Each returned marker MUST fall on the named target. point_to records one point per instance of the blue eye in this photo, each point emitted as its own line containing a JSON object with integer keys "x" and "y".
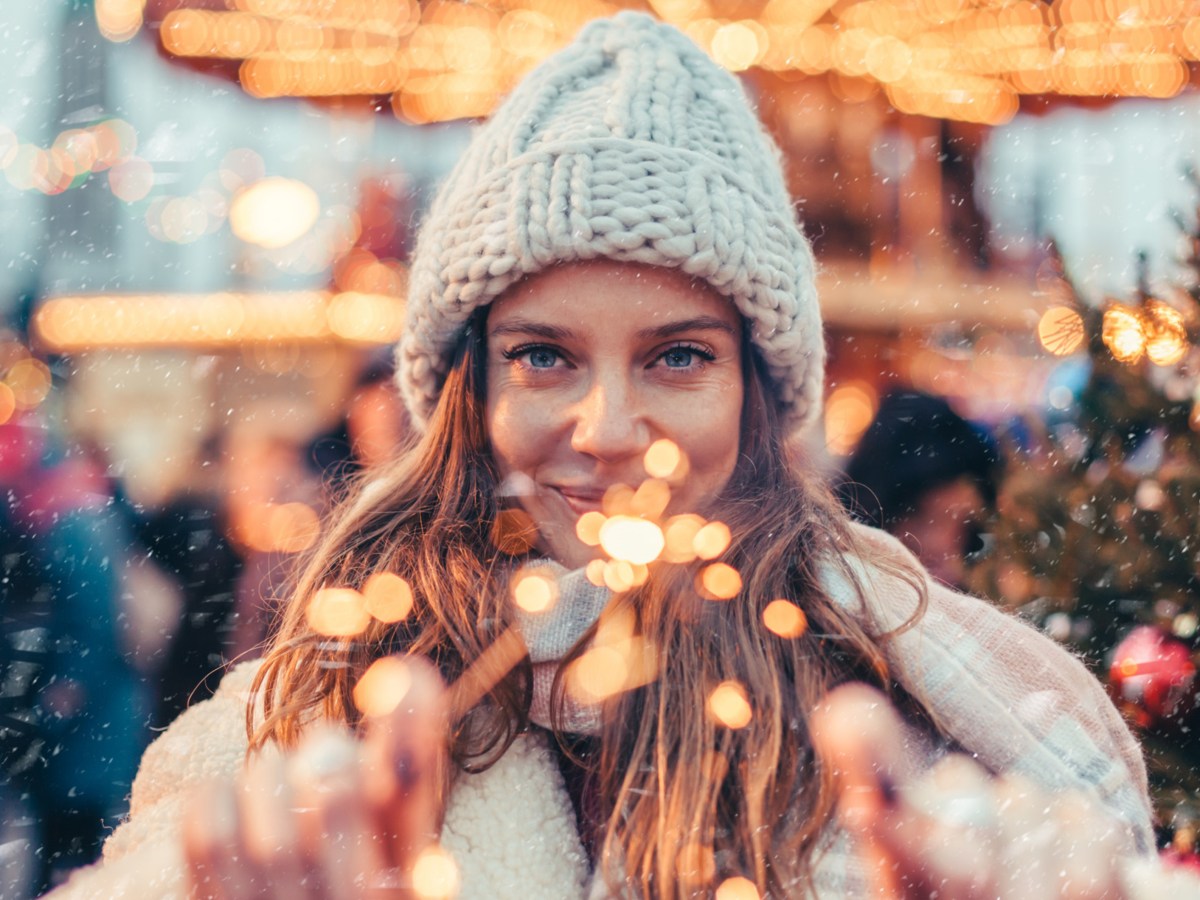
{"x": 678, "y": 357}
{"x": 542, "y": 358}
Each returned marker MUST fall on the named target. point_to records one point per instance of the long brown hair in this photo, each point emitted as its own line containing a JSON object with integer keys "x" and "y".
{"x": 751, "y": 801}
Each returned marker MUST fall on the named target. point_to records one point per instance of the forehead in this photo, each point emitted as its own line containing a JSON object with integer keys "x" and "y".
{"x": 614, "y": 296}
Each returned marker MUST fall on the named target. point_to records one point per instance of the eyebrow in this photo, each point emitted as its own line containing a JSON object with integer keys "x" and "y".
{"x": 667, "y": 330}
{"x": 699, "y": 323}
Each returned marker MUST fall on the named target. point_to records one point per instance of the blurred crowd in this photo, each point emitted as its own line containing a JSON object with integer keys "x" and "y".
{"x": 117, "y": 614}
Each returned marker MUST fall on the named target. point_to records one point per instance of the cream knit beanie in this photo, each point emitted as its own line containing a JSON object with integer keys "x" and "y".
{"x": 631, "y": 145}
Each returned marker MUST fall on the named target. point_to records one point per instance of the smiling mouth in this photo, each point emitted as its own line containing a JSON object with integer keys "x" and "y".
{"x": 581, "y": 500}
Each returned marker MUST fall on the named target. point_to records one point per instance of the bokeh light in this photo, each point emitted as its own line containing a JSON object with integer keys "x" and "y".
{"x": 737, "y": 888}
{"x": 729, "y": 706}
{"x": 534, "y": 592}
{"x": 8, "y": 403}
{"x": 663, "y": 459}
{"x": 848, "y": 413}
{"x": 594, "y": 571}
{"x": 434, "y": 874}
{"x": 337, "y": 612}
{"x": 382, "y": 686}
{"x": 274, "y": 212}
{"x": 1166, "y": 333}
{"x": 131, "y": 179}
{"x": 1123, "y": 333}
{"x": 290, "y": 527}
{"x": 680, "y": 536}
{"x": 650, "y": 499}
{"x": 28, "y": 381}
{"x": 598, "y": 674}
{"x": 587, "y": 529}
{"x": 119, "y": 20}
{"x": 1060, "y": 330}
{"x": 387, "y": 597}
{"x": 784, "y": 618}
{"x": 632, "y": 540}
{"x": 720, "y": 581}
{"x": 712, "y": 540}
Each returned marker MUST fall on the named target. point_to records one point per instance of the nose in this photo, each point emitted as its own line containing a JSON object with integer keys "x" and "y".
{"x": 609, "y": 423}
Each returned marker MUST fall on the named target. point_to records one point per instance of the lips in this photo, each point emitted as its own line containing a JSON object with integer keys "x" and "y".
{"x": 581, "y": 499}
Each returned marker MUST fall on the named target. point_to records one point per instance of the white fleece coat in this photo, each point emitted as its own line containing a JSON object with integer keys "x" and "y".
{"x": 1008, "y": 695}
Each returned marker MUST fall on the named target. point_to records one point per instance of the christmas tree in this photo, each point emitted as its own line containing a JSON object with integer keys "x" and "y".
{"x": 1097, "y": 531}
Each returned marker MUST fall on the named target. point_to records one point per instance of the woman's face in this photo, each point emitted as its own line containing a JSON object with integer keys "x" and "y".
{"x": 587, "y": 365}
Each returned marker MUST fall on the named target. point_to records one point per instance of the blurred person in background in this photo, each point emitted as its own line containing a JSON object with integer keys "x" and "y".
{"x": 927, "y": 475}
{"x": 73, "y": 659}
{"x": 186, "y": 538}
{"x": 373, "y": 430}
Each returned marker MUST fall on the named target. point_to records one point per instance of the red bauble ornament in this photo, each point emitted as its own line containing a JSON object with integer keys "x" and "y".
{"x": 1152, "y": 677}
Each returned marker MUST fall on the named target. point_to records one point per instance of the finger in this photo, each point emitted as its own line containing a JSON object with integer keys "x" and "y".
{"x": 268, "y": 829}
{"x": 337, "y": 832}
{"x": 857, "y": 736}
{"x": 943, "y": 834}
{"x": 210, "y": 845}
{"x": 404, "y": 754}
{"x": 1090, "y": 845}
{"x": 1029, "y": 868}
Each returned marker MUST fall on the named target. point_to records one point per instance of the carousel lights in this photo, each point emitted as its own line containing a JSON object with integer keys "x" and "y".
{"x": 119, "y": 20}
{"x": 76, "y": 323}
{"x": 961, "y": 59}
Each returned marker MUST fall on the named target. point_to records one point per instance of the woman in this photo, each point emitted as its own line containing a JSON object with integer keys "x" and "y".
{"x": 614, "y": 267}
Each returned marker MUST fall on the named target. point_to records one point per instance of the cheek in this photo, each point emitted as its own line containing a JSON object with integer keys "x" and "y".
{"x": 710, "y": 437}
{"x": 517, "y": 432}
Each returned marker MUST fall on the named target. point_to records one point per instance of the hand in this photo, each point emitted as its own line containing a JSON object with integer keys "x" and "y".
{"x": 337, "y": 819}
{"x": 956, "y": 830}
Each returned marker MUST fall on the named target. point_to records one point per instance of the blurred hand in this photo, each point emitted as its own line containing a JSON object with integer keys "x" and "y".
{"x": 337, "y": 819}
{"x": 957, "y": 831}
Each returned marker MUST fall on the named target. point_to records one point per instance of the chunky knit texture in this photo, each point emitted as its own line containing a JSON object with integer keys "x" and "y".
{"x": 629, "y": 145}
